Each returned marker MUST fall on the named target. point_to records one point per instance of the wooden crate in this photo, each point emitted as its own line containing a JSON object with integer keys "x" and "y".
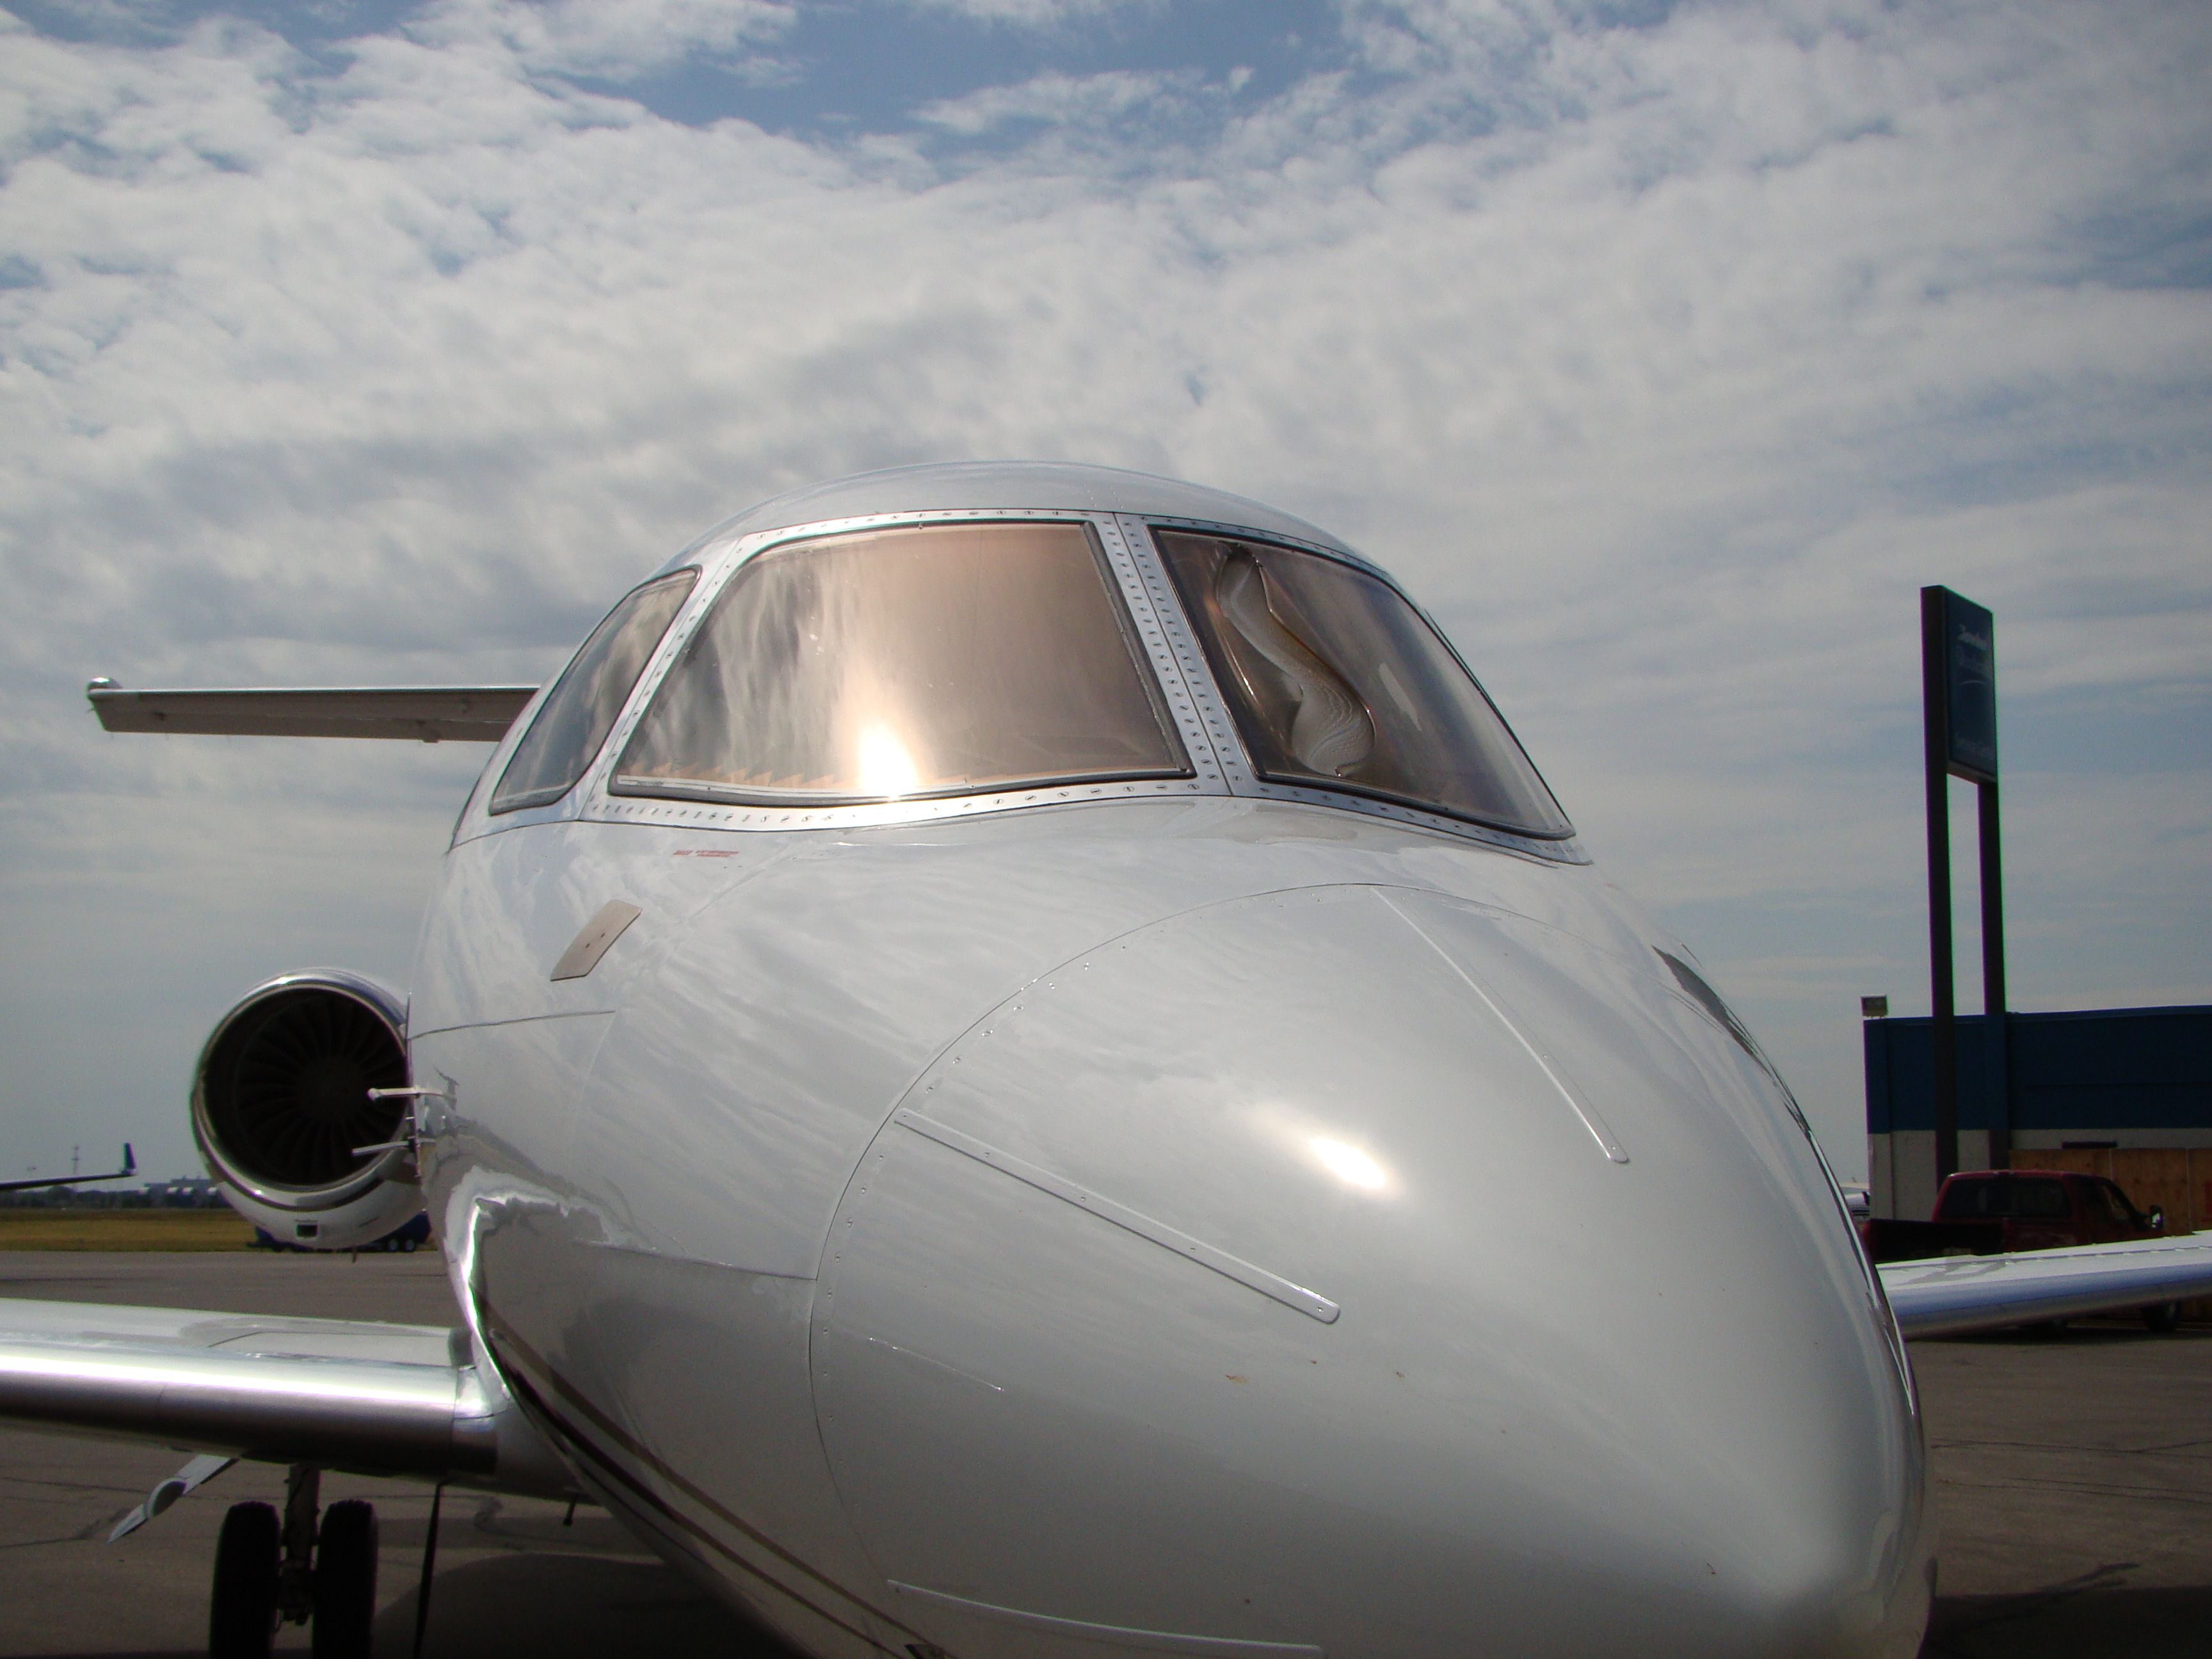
{"x": 2179, "y": 1179}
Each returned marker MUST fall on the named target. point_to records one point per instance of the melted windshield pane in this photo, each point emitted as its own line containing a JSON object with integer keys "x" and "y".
{"x": 583, "y": 706}
{"x": 930, "y": 659}
{"x": 1335, "y": 680}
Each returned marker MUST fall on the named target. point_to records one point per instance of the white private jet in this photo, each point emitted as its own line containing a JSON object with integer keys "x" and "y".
{"x": 1014, "y": 1060}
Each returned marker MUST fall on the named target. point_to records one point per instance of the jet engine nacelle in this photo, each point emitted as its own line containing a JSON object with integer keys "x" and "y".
{"x": 281, "y": 1101}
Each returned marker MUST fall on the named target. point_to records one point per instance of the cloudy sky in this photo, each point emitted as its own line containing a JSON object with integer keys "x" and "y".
{"x": 1663, "y": 351}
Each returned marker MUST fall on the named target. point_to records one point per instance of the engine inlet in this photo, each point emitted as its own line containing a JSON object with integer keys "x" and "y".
{"x": 282, "y": 1094}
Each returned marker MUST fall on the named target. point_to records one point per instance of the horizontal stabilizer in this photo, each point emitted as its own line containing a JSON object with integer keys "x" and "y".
{"x": 342, "y": 1394}
{"x": 423, "y": 714}
{"x": 1959, "y": 1293}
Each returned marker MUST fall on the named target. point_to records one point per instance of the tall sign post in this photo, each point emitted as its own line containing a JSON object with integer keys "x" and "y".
{"x": 1958, "y": 705}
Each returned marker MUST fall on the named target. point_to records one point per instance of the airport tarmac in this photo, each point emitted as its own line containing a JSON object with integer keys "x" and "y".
{"x": 512, "y": 1578}
{"x": 2074, "y": 1486}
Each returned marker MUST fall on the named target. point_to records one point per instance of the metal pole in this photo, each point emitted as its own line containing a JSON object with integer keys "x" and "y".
{"x": 429, "y": 1566}
{"x": 1993, "y": 982}
{"x": 1936, "y": 746}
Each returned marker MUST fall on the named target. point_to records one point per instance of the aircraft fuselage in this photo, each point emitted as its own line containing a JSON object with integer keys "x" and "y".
{"x": 1194, "y": 1213}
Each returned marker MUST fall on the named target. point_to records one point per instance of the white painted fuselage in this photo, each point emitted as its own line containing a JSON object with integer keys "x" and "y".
{"x": 1193, "y": 1216}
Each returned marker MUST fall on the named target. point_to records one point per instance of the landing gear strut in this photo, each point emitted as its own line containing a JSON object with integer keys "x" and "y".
{"x": 267, "y": 1573}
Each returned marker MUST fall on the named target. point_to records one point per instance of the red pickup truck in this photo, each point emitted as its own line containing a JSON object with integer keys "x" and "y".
{"x": 1984, "y": 1211}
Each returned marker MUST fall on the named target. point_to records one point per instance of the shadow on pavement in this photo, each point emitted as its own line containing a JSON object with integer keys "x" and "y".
{"x": 552, "y": 1605}
{"x": 2100, "y": 1331}
{"x": 2091, "y": 1618}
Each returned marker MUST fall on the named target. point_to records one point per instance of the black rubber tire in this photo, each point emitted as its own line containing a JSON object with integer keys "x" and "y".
{"x": 2164, "y": 1317}
{"x": 242, "y": 1611}
{"x": 345, "y": 1581}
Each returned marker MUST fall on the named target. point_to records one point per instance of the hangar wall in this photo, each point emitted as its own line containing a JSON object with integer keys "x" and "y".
{"x": 2123, "y": 1092}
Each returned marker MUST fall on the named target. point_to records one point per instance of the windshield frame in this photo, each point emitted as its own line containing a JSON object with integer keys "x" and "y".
{"x": 499, "y": 803}
{"x": 723, "y": 559}
{"x": 1558, "y": 845}
{"x": 1181, "y": 766}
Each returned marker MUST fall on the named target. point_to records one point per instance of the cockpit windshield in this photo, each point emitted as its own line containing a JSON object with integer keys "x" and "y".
{"x": 1336, "y": 681}
{"x": 588, "y": 699}
{"x": 926, "y": 659}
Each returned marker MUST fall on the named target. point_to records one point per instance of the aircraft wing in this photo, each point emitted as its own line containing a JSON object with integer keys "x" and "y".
{"x": 129, "y": 1168}
{"x": 1953, "y": 1294}
{"x": 355, "y": 1395}
{"x": 425, "y": 714}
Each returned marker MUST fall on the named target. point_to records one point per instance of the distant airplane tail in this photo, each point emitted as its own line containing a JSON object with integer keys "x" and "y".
{"x": 129, "y": 1168}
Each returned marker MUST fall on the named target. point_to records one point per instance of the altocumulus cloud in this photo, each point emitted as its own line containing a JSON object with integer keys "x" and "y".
{"x": 1663, "y": 354}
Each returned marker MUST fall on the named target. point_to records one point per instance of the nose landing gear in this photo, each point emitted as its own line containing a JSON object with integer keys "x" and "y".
{"x": 267, "y": 1574}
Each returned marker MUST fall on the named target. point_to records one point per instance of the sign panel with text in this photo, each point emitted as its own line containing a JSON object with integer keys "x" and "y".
{"x": 1970, "y": 689}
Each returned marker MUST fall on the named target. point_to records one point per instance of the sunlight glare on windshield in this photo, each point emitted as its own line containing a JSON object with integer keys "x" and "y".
{"x": 886, "y": 769}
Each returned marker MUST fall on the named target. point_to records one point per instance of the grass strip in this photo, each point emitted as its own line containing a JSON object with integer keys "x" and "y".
{"x": 122, "y": 1230}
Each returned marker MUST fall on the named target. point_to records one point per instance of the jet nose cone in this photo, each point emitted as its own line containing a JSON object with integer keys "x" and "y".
{"x": 1740, "y": 1405}
{"x": 1357, "y": 1268}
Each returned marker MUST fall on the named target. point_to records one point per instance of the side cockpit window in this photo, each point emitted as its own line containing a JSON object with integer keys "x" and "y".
{"x": 920, "y": 660}
{"x": 1337, "y": 682}
{"x": 585, "y": 704}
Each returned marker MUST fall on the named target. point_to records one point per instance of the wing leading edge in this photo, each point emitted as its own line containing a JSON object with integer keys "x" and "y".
{"x": 1955, "y": 1294}
{"x": 375, "y": 1399}
{"x": 423, "y": 713}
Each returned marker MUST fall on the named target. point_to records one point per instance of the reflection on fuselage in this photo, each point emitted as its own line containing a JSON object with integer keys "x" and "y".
{"x": 1105, "y": 992}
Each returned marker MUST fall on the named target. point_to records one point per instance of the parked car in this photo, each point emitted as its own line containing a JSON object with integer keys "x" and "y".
{"x": 2040, "y": 1210}
{"x": 1987, "y": 1212}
